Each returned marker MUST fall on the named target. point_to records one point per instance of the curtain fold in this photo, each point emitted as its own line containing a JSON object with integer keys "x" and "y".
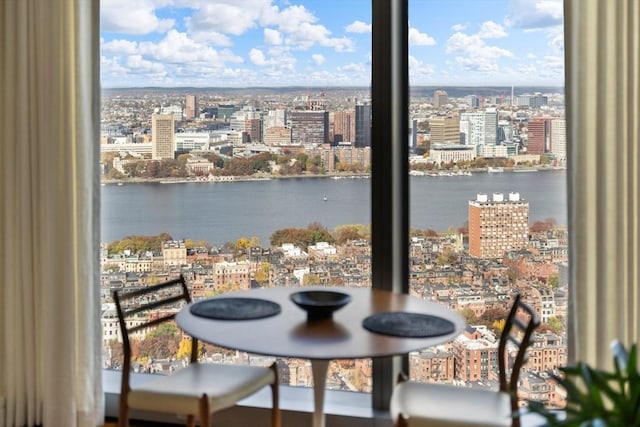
{"x": 50, "y": 368}
{"x": 602, "y": 65}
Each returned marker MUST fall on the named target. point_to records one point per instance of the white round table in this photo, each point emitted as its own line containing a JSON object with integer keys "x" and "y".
{"x": 288, "y": 334}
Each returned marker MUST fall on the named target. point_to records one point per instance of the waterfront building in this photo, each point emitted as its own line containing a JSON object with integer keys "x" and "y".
{"x": 163, "y": 136}
{"x": 445, "y": 153}
{"x": 489, "y": 151}
{"x": 559, "y": 139}
{"x": 497, "y": 226}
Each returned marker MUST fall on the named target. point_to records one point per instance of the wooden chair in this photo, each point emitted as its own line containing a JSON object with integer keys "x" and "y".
{"x": 195, "y": 391}
{"x": 415, "y": 404}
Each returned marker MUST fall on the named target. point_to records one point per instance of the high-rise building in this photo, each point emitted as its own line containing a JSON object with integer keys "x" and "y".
{"x": 497, "y": 226}
{"x": 440, "y": 98}
{"x": 538, "y": 135}
{"x": 309, "y": 127}
{"x": 445, "y": 130}
{"x": 363, "y": 125}
{"x": 559, "y": 139}
{"x": 479, "y": 127}
{"x": 344, "y": 126}
{"x": 162, "y": 136}
{"x": 490, "y": 126}
{"x": 533, "y": 101}
{"x": 192, "y": 110}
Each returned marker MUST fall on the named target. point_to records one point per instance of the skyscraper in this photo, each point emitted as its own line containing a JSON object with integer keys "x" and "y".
{"x": 559, "y": 139}
{"x": 363, "y": 125}
{"x": 497, "y": 226}
{"x": 309, "y": 127}
{"x": 480, "y": 127}
{"x": 344, "y": 126}
{"x": 445, "y": 130}
{"x": 538, "y": 135}
{"x": 440, "y": 98}
{"x": 192, "y": 109}
{"x": 162, "y": 136}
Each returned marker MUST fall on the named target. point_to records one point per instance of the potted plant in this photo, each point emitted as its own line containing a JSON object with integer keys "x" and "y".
{"x": 596, "y": 397}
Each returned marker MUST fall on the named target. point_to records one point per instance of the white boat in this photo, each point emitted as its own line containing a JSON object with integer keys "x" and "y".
{"x": 495, "y": 170}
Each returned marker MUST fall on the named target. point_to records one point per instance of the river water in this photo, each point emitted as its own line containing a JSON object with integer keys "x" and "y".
{"x": 225, "y": 211}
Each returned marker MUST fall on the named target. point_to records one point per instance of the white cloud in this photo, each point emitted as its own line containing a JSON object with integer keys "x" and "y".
{"x": 318, "y": 59}
{"x": 473, "y": 52}
{"x": 138, "y": 17}
{"x": 418, "y": 69}
{"x": 458, "y": 27}
{"x": 416, "y": 38}
{"x": 354, "y": 68}
{"x": 491, "y": 30}
{"x": 257, "y": 57}
{"x": 272, "y": 36}
{"x": 556, "y": 40}
{"x": 358, "y": 27}
{"x": 119, "y": 47}
{"x": 178, "y": 48}
{"x": 139, "y": 64}
{"x": 231, "y": 17}
{"x": 530, "y": 14}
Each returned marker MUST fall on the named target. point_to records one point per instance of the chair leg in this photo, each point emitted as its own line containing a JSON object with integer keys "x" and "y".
{"x": 205, "y": 411}
{"x": 275, "y": 399}
{"x": 401, "y": 421}
{"x": 191, "y": 421}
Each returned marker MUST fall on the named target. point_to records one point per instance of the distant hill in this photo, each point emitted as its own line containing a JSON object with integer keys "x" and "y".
{"x": 416, "y": 91}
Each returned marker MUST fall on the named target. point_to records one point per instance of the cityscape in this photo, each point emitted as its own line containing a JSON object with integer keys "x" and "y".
{"x": 206, "y": 136}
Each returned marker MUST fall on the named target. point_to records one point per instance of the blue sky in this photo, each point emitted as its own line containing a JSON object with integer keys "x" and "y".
{"x": 326, "y": 43}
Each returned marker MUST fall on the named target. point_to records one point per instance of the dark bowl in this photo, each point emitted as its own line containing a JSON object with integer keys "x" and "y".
{"x": 320, "y": 304}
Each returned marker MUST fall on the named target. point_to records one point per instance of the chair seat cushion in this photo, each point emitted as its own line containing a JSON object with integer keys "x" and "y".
{"x": 181, "y": 391}
{"x": 425, "y": 404}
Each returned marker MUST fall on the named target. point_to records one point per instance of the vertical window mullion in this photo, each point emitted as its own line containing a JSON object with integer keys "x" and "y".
{"x": 389, "y": 176}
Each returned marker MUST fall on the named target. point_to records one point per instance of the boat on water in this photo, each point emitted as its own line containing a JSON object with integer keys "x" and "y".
{"x": 325, "y": 197}
{"x": 495, "y": 170}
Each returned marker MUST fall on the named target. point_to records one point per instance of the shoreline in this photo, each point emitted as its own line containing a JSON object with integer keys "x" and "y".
{"x": 332, "y": 175}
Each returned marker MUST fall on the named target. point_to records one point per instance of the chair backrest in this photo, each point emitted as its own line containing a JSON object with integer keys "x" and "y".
{"x": 518, "y": 329}
{"x": 148, "y": 307}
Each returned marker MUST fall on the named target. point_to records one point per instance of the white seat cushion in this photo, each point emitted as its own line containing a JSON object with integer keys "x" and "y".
{"x": 445, "y": 405}
{"x": 180, "y": 392}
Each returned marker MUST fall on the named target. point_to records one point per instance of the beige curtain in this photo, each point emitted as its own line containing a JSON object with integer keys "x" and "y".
{"x": 50, "y": 370}
{"x": 602, "y": 59}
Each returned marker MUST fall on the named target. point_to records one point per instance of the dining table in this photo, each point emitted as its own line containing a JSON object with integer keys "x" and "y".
{"x": 373, "y": 323}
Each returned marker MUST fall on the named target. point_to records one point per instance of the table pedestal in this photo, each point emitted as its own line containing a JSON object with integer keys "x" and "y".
{"x": 319, "y": 370}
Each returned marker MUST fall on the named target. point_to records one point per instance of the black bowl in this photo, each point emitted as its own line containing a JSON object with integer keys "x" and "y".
{"x": 320, "y": 304}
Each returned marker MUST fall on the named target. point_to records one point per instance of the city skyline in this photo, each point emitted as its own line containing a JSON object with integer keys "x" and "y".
{"x": 273, "y": 43}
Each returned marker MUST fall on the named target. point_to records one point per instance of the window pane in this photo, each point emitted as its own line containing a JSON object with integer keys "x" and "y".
{"x": 488, "y": 199}
{"x": 235, "y": 150}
